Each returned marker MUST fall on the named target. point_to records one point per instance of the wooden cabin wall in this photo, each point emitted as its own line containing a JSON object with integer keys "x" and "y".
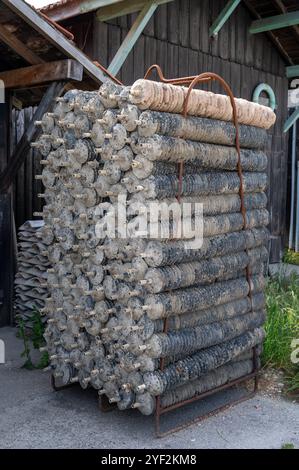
{"x": 177, "y": 39}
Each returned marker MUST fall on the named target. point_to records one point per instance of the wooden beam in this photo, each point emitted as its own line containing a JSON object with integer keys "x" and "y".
{"x": 16, "y": 45}
{"x": 64, "y": 10}
{"x": 271, "y": 35}
{"x": 291, "y": 120}
{"x": 23, "y": 10}
{"x": 132, "y": 37}
{"x": 292, "y": 71}
{"x": 124, "y": 8}
{"x": 223, "y": 17}
{"x": 274, "y": 22}
{"x": 30, "y": 134}
{"x": 283, "y": 9}
{"x": 41, "y": 74}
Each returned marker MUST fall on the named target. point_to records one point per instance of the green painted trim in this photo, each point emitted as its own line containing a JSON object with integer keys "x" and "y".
{"x": 95, "y": 4}
{"x": 292, "y": 71}
{"x": 122, "y": 8}
{"x": 264, "y": 87}
{"x": 132, "y": 37}
{"x": 223, "y": 17}
{"x": 291, "y": 120}
{"x": 274, "y": 22}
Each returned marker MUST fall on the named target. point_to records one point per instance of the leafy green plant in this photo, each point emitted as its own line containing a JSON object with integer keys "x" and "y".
{"x": 288, "y": 445}
{"x": 293, "y": 381}
{"x": 31, "y": 331}
{"x": 282, "y": 326}
{"x": 291, "y": 257}
{"x": 26, "y": 353}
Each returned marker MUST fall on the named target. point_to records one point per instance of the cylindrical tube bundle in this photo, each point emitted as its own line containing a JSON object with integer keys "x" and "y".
{"x": 211, "y": 226}
{"x": 201, "y": 155}
{"x": 201, "y": 272}
{"x": 213, "y": 314}
{"x": 147, "y": 94}
{"x": 146, "y": 403}
{"x": 212, "y": 379}
{"x": 184, "y": 300}
{"x": 158, "y": 382}
{"x": 200, "y": 129}
{"x": 211, "y": 205}
{"x": 161, "y": 187}
{"x": 193, "y": 339}
{"x": 159, "y": 253}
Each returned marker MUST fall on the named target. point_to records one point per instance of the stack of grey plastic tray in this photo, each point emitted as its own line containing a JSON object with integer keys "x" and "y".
{"x": 30, "y": 280}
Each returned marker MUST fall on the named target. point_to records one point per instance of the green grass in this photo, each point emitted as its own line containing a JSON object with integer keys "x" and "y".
{"x": 282, "y": 326}
{"x": 291, "y": 257}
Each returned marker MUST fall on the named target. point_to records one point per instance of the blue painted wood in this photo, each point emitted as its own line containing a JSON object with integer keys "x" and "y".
{"x": 223, "y": 17}
{"x": 291, "y": 120}
{"x": 292, "y": 71}
{"x": 132, "y": 36}
{"x": 274, "y": 22}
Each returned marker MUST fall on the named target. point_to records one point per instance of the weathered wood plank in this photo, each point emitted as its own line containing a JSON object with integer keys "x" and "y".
{"x": 42, "y": 73}
{"x": 123, "y": 8}
{"x": 16, "y": 45}
{"x": 223, "y": 16}
{"x": 19, "y": 179}
{"x": 56, "y": 38}
{"x": 100, "y": 42}
{"x": 127, "y": 71}
{"x": 274, "y": 22}
{"x": 184, "y": 23}
{"x": 6, "y": 260}
{"x": 194, "y": 24}
{"x": 114, "y": 42}
{"x": 16, "y": 160}
{"x": 131, "y": 38}
{"x": 139, "y": 67}
{"x": 173, "y": 22}
{"x": 160, "y": 22}
{"x": 173, "y": 61}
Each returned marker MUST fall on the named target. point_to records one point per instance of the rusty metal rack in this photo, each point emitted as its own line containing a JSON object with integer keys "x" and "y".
{"x": 192, "y": 81}
{"x": 57, "y": 388}
{"x": 104, "y": 404}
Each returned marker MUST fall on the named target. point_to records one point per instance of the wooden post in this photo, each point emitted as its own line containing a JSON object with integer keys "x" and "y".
{"x": 132, "y": 37}
{"x": 223, "y": 16}
{"x": 32, "y": 132}
{"x": 6, "y": 245}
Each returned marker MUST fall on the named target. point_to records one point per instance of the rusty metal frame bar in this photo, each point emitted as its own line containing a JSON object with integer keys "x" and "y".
{"x": 192, "y": 81}
{"x": 61, "y": 387}
{"x": 253, "y": 375}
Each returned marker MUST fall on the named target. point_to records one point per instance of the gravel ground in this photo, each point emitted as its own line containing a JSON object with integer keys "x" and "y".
{"x": 34, "y": 416}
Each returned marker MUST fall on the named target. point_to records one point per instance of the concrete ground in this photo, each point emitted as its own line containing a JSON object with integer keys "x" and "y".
{"x": 34, "y": 416}
{"x": 283, "y": 269}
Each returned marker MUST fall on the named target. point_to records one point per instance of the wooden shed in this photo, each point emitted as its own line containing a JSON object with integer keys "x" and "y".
{"x": 248, "y": 43}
